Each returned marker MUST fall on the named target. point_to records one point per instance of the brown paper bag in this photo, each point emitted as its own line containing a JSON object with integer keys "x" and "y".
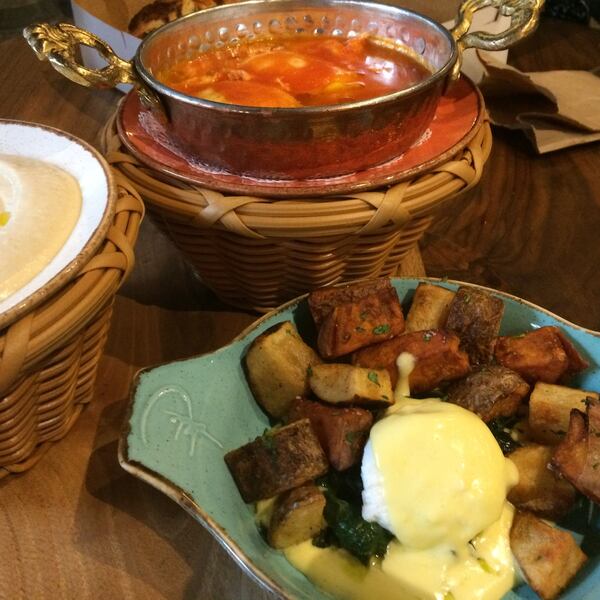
{"x": 556, "y": 109}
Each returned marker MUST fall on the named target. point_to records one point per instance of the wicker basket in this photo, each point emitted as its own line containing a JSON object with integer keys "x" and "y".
{"x": 49, "y": 357}
{"x": 258, "y": 252}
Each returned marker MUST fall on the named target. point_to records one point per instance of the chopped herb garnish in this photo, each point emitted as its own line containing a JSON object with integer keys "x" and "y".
{"x": 309, "y": 371}
{"x": 381, "y": 329}
{"x": 484, "y": 565}
{"x": 501, "y": 428}
{"x": 427, "y": 336}
{"x": 352, "y": 436}
{"x": 360, "y": 329}
{"x": 466, "y": 299}
{"x": 373, "y": 377}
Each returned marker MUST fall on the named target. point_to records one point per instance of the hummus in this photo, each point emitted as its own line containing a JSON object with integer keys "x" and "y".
{"x": 39, "y": 207}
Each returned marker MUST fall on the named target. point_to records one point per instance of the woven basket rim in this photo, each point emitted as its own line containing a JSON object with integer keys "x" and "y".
{"x": 264, "y": 218}
{"x": 89, "y": 248}
{"x": 28, "y": 341}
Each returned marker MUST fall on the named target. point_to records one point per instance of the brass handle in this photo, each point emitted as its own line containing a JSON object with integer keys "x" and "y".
{"x": 524, "y": 17}
{"x": 58, "y": 44}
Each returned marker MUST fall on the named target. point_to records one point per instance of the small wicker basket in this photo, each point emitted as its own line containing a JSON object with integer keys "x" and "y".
{"x": 259, "y": 252}
{"x": 49, "y": 357}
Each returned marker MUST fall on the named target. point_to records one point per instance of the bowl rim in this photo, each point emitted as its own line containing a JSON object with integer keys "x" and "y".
{"x": 181, "y": 497}
{"x": 429, "y": 82}
{"x": 87, "y": 249}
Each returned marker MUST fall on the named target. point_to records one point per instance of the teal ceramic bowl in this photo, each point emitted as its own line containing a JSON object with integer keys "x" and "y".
{"x": 187, "y": 414}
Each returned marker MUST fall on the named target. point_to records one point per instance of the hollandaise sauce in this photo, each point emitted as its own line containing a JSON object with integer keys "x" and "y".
{"x": 435, "y": 477}
{"x": 486, "y": 573}
{"x": 39, "y": 207}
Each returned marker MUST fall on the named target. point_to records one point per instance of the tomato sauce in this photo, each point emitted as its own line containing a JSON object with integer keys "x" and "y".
{"x": 295, "y": 71}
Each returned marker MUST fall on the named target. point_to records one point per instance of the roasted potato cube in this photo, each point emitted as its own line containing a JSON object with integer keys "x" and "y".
{"x": 282, "y": 459}
{"x": 540, "y": 490}
{"x": 342, "y": 432}
{"x": 298, "y": 516}
{"x": 354, "y": 316}
{"x": 539, "y": 355}
{"x": 492, "y": 391}
{"x": 429, "y": 308}
{"x": 550, "y": 409}
{"x": 438, "y": 358}
{"x": 277, "y": 365}
{"x": 348, "y": 384}
{"x": 475, "y": 316}
{"x": 577, "y": 457}
{"x": 322, "y": 301}
{"x": 548, "y": 557}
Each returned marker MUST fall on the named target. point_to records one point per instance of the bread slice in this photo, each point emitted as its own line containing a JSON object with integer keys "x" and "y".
{"x": 159, "y": 13}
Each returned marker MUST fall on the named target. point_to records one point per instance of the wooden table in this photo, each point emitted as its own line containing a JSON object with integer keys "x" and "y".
{"x": 77, "y": 526}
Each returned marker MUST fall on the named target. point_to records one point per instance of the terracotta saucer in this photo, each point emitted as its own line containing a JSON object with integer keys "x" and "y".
{"x": 457, "y": 119}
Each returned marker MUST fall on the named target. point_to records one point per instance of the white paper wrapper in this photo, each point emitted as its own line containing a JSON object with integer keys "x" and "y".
{"x": 107, "y": 20}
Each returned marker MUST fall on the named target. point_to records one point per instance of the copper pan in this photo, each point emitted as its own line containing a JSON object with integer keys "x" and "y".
{"x": 284, "y": 143}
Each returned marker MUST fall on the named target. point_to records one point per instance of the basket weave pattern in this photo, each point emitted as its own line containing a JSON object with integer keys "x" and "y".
{"x": 259, "y": 252}
{"x": 49, "y": 357}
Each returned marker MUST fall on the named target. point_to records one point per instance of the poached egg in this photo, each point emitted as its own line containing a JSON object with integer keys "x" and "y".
{"x": 435, "y": 477}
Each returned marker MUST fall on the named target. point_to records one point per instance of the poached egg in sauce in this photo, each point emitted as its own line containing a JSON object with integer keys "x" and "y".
{"x": 435, "y": 477}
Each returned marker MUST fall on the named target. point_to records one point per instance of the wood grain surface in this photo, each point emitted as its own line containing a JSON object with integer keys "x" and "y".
{"x": 531, "y": 226}
{"x": 77, "y": 526}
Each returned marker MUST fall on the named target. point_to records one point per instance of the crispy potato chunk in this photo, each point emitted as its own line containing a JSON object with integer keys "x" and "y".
{"x": 475, "y": 316}
{"x": 539, "y": 355}
{"x": 577, "y": 457}
{"x": 490, "y": 392}
{"x": 550, "y": 409}
{"x": 342, "y": 432}
{"x": 276, "y": 365}
{"x": 348, "y": 384}
{"x": 438, "y": 358}
{"x": 548, "y": 557}
{"x": 298, "y": 516}
{"x": 429, "y": 308}
{"x": 322, "y": 301}
{"x": 353, "y": 316}
{"x": 540, "y": 490}
{"x": 278, "y": 461}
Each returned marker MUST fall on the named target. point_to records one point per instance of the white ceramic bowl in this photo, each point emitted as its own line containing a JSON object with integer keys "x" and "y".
{"x": 94, "y": 177}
